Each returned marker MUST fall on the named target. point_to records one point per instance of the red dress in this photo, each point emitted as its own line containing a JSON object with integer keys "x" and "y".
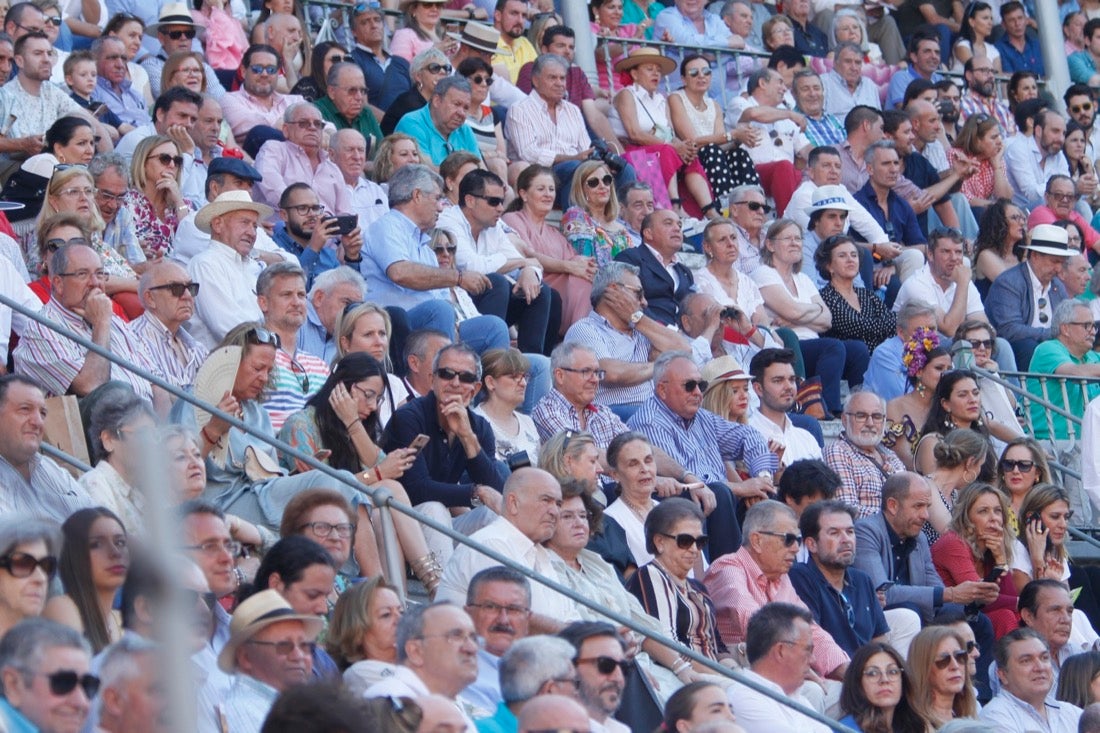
{"x": 955, "y": 564}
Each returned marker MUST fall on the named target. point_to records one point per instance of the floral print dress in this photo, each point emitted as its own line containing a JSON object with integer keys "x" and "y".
{"x": 591, "y": 239}
{"x": 154, "y": 235}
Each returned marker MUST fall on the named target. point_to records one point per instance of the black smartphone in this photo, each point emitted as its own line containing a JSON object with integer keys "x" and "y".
{"x": 994, "y": 575}
{"x": 347, "y": 223}
{"x": 883, "y": 587}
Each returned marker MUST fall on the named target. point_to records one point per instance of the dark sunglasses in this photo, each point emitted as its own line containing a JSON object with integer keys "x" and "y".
{"x": 691, "y": 384}
{"x": 971, "y": 646}
{"x": 448, "y": 248}
{"x": 1078, "y": 108}
{"x": 65, "y": 681}
{"x": 479, "y": 79}
{"x": 981, "y": 344}
{"x": 1008, "y": 466}
{"x": 192, "y": 597}
{"x": 944, "y": 660}
{"x": 789, "y": 538}
{"x": 685, "y": 541}
{"x": 491, "y": 200}
{"x": 439, "y": 68}
{"x": 166, "y": 160}
{"x": 176, "y": 35}
{"x": 263, "y": 336}
{"x": 754, "y": 206}
{"x": 22, "y": 565}
{"x": 341, "y": 59}
{"x": 595, "y": 181}
{"x": 604, "y": 665}
{"x": 705, "y": 71}
{"x": 52, "y": 245}
{"x": 54, "y": 20}
{"x": 178, "y": 289}
{"x": 448, "y": 374}
{"x": 258, "y": 69}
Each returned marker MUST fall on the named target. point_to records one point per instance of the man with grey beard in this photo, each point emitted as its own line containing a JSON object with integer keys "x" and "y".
{"x": 859, "y": 457}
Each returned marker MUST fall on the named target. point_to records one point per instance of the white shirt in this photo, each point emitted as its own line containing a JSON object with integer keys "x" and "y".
{"x": 369, "y": 201}
{"x": 767, "y": 151}
{"x": 406, "y": 683}
{"x": 651, "y": 111}
{"x": 757, "y": 713}
{"x": 935, "y": 153}
{"x": 489, "y": 253}
{"x": 839, "y": 98}
{"x": 1029, "y": 170}
{"x": 1038, "y": 292}
{"x": 189, "y": 241}
{"x": 923, "y": 288}
{"x": 805, "y": 290}
{"x": 858, "y": 217}
{"x": 667, "y": 265}
{"x": 227, "y": 295}
{"x": 608, "y": 726}
{"x": 505, "y": 538}
{"x": 1010, "y": 713}
{"x": 798, "y": 443}
{"x": 1090, "y": 459}
{"x": 13, "y": 286}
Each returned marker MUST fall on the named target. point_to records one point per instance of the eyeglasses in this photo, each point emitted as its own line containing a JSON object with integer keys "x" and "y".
{"x": 754, "y": 206}
{"x": 166, "y": 160}
{"x": 64, "y": 681}
{"x": 1061, "y": 196}
{"x": 594, "y": 181}
{"x": 196, "y": 70}
{"x": 1077, "y": 108}
{"x": 305, "y": 209}
{"x": 326, "y": 529}
{"x": 986, "y": 344}
{"x": 493, "y": 201}
{"x": 448, "y": 374}
{"x": 1087, "y": 325}
{"x": 604, "y": 665}
{"x": 108, "y": 196}
{"x": 1043, "y": 317}
{"x": 82, "y": 191}
{"x": 214, "y": 547}
{"x": 635, "y": 290}
{"x": 684, "y": 541}
{"x": 454, "y": 636}
{"x": 971, "y": 646}
{"x": 54, "y": 20}
{"x": 943, "y": 661}
{"x": 482, "y": 79}
{"x": 259, "y": 69}
{"x": 846, "y": 606}
{"x": 263, "y": 337}
{"x": 448, "y": 248}
{"x": 874, "y": 673}
{"x": 586, "y": 373}
{"x": 22, "y": 565}
{"x": 576, "y": 683}
{"x": 876, "y": 417}
{"x": 28, "y": 28}
{"x": 52, "y": 245}
{"x": 286, "y": 647}
{"x": 309, "y": 124}
{"x": 1008, "y": 465}
{"x": 178, "y": 289}
{"x": 789, "y": 538}
{"x": 300, "y": 371}
{"x": 692, "y": 384}
{"x": 368, "y": 395}
{"x": 496, "y": 608}
{"x": 705, "y": 71}
{"x": 177, "y": 35}
{"x": 192, "y": 597}
{"x": 85, "y": 274}
{"x": 439, "y": 68}
{"x": 357, "y": 91}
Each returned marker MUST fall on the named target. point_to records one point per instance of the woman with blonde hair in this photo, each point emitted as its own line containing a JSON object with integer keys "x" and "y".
{"x": 941, "y": 688}
{"x": 155, "y": 198}
{"x": 362, "y": 636}
{"x": 591, "y": 224}
{"x": 978, "y": 548}
{"x": 366, "y": 327}
{"x": 395, "y": 151}
{"x": 1023, "y": 464}
{"x": 572, "y": 455}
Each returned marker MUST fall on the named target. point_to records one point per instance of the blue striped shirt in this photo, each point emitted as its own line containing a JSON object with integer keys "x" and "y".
{"x": 597, "y": 333}
{"x": 701, "y": 444}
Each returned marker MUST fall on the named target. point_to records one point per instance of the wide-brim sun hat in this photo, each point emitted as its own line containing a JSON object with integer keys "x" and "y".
{"x": 173, "y": 14}
{"x": 1050, "y": 239}
{"x": 254, "y": 615}
{"x": 480, "y": 36}
{"x": 227, "y": 202}
{"x": 829, "y": 197}
{"x": 724, "y": 369}
{"x": 645, "y": 55}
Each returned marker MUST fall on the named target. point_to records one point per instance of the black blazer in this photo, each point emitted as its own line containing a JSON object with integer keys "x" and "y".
{"x": 663, "y": 301}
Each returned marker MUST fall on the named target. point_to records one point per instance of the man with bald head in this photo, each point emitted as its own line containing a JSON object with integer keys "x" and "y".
{"x": 552, "y": 712}
{"x": 528, "y": 518}
{"x": 350, "y": 152}
{"x": 665, "y": 281}
{"x": 440, "y": 715}
{"x": 168, "y": 294}
{"x": 283, "y": 32}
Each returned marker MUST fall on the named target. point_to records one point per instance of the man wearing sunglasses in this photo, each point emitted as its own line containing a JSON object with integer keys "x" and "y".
{"x": 601, "y": 668}
{"x": 168, "y": 294}
{"x": 1068, "y": 354}
{"x": 47, "y": 686}
{"x": 257, "y": 103}
{"x": 1027, "y": 675}
{"x": 176, "y": 31}
{"x": 1082, "y": 109}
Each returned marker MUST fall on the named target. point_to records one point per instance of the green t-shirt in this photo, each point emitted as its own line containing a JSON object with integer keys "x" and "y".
{"x": 1047, "y": 358}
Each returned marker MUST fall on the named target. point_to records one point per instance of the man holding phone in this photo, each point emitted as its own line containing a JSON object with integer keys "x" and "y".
{"x": 311, "y": 234}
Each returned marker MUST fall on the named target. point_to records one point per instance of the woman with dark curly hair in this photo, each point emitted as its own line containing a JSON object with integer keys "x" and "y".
{"x": 1001, "y": 233}
{"x": 924, "y": 361}
{"x": 1023, "y": 85}
{"x": 875, "y": 695}
{"x": 957, "y": 403}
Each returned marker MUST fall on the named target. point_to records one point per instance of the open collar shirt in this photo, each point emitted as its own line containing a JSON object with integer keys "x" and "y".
{"x": 125, "y": 101}
{"x": 177, "y": 356}
{"x": 536, "y": 137}
{"x": 861, "y": 476}
{"x": 1010, "y": 713}
{"x": 597, "y": 333}
{"x": 243, "y": 111}
{"x": 51, "y": 493}
{"x": 555, "y": 413}
{"x": 228, "y": 293}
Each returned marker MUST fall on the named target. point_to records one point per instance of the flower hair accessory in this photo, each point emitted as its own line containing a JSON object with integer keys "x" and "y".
{"x": 915, "y": 355}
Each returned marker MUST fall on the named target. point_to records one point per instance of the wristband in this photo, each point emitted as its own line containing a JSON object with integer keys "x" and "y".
{"x": 377, "y": 473}
{"x": 207, "y": 437}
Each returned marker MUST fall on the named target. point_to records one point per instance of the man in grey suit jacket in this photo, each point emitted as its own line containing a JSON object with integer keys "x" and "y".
{"x": 1012, "y": 301}
{"x": 893, "y": 549}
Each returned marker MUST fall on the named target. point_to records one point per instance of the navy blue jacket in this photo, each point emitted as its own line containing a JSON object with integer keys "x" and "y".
{"x": 663, "y": 302}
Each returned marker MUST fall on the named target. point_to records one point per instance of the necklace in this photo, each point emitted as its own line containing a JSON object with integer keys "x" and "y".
{"x": 639, "y": 511}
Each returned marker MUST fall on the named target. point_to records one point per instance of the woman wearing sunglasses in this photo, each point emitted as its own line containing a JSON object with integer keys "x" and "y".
{"x": 674, "y": 536}
{"x": 94, "y": 561}
{"x": 592, "y": 224}
{"x": 876, "y": 693}
{"x": 156, "y": 172}
{"x": 339, "y": 426}
{"x": 978, "y": 548}
{"x": 1023, "y": 464}
{"x": 698, "y": 118}
{"x": 425, "y": 70}
{"x": 315, "y": 85}
{"x": 941, "y": 689}
{"x": 28, "y": 562}
{"x": 422, "y": 30}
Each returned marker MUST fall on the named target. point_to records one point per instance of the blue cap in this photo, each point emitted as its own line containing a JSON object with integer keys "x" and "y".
{"x": 235, "y": 167}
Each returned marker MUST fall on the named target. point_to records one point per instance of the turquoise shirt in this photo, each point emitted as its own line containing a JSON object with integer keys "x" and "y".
{"x": 419, "y": 125}
{"x": 1048, "y": 356}
{"x": 503, "y": 721}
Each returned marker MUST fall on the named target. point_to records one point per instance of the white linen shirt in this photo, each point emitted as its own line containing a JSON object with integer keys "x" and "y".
{"x": 488, "y": 254}
{"x": 839, "y": 99}
{"x": 757, "y": 713}
{"x": 227, "y": 295}
{"x": 536, "y": 138}
{"x": 1010, "y": 713}
{"x": 798, "y": 443}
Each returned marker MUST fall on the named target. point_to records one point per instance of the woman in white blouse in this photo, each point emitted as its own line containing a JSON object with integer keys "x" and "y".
{"x": 504, "y": 376}
{"x": 793, "y": 302}
{"x": 639, "y": 116}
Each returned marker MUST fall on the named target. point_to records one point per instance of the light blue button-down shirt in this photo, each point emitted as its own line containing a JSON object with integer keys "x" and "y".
{"x": 395, "y": 238}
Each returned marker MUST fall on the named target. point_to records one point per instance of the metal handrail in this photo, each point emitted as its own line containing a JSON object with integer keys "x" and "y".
{"x": 383, "y": 499}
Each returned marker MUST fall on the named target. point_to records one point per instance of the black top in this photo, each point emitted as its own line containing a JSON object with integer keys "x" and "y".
{"x": 872, "y": 324}
{"x": 410, "y": 101}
